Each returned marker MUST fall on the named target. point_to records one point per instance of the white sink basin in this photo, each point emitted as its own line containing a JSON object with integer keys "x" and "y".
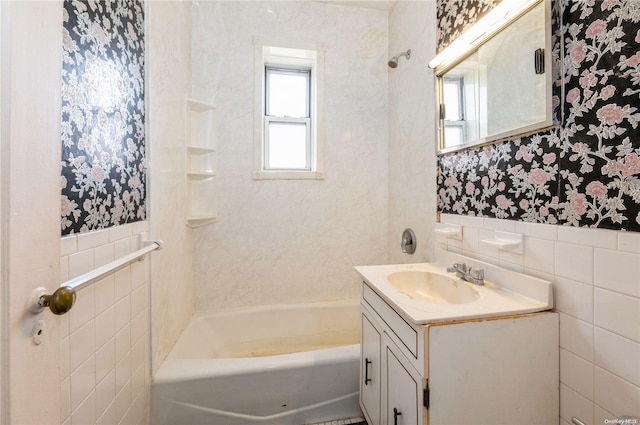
{"x": 432, "y": 287}
{"x": 425, "y": 293}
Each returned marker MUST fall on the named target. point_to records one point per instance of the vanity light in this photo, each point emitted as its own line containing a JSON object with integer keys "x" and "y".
{"x": 492, "y": 23}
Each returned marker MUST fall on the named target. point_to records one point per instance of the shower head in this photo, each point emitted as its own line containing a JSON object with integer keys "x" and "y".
{"x": 393, "y": 62}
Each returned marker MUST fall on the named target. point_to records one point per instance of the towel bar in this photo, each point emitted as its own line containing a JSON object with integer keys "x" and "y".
{"x": 63, "y": 298}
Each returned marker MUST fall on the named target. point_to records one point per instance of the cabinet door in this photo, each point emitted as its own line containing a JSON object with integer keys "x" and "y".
{"x": 402, "y": 393}
{"x": 502, "y": 371}
{"x": 370, "y": 371}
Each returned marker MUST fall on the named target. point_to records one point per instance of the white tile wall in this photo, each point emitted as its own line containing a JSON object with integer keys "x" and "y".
{"x": 596, "y": 275}
{"x": 104, "y": 348}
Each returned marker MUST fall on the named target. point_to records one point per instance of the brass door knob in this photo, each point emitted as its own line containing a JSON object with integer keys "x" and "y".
{"x": 59, "y": 302}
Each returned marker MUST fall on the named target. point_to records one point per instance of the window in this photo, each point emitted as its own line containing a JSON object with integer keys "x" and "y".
{"x": 288, "y": 112}
{"x": 454, "y": 120}
{"x": 287, "y": 120}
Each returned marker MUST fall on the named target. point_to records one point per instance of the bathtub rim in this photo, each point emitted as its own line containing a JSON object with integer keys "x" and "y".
{"x": 176, "y": 369}
{"x": 355, "y": 302}
{"x": 180, "y": 370}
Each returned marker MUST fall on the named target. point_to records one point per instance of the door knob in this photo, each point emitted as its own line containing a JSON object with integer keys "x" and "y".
{"x": 59, "y": 302}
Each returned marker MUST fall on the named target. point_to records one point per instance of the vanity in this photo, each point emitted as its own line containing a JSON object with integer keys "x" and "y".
{"x": 438, "y": 350}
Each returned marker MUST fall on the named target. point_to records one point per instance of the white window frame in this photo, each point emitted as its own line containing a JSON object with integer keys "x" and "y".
{"x": 277, "y": 54}
{"x": 461, "y": 123}
{"x": 306, "y": 120}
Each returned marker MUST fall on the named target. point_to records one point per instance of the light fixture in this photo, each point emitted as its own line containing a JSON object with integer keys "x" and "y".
{"x": 490, "y": 24}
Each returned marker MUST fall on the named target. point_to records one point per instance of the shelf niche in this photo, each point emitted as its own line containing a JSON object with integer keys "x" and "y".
{"x": 201, "y": 152}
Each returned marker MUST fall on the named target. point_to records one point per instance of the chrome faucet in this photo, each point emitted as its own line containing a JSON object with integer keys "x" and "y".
{"x": 475, "y": 276}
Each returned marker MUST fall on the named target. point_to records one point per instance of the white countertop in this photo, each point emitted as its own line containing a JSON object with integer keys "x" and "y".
{"x": 504, "y": 293}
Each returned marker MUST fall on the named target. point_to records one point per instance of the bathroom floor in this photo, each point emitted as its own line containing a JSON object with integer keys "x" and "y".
{"x": 349, "y": 421}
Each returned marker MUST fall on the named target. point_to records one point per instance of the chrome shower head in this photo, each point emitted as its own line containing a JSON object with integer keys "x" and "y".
{"x": 393, "y": 62}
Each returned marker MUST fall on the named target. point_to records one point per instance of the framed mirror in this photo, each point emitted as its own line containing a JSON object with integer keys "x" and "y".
{"x": 500, "y": 87}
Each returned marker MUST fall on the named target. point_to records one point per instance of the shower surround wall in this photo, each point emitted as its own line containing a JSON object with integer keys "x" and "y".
{"x": 584, "y": 174}
{"x": 169, "y": 83}
{"x": 279, "y": 241}
{"x": 411, "y": 145}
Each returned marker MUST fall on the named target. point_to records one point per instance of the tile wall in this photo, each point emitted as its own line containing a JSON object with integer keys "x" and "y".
{"x": 104, "y": 348}
{"x": 597, "y": 292}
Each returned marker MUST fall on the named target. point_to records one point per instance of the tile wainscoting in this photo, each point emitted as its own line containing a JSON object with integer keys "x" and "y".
{"x": 597, "y": 292}
{"x": 105, "y": 354}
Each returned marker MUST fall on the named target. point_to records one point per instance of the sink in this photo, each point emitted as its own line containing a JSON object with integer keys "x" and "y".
{"x": 432, "y": 287}
{"x": 426, "y": 293}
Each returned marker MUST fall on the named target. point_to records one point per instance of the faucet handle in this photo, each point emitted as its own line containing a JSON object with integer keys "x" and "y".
{"x": 478, "y": 273}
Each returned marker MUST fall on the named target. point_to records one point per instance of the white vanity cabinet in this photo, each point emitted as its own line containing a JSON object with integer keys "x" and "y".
{"x": 501, "y": 370}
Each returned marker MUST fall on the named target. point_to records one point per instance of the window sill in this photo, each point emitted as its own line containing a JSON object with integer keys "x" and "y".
{"x": 288, "y": 175}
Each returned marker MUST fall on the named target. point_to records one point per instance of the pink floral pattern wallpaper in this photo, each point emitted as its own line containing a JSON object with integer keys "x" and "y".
{"x": 587, "y": 172}
{"x": 455, "y": 16}
{"x": 103, "y": 178}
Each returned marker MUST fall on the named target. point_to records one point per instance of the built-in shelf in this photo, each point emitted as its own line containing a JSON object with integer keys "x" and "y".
{"x": 201, "y": 152}
{"x": 197, "y": 221}
{"x": 201, "y": 175}
{"x": 199, "y": 106}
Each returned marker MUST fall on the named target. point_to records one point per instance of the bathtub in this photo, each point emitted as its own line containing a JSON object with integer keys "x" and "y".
{"x": 278, "y": 365}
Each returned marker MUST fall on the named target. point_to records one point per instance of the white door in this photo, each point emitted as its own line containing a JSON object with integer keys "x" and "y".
{"x": 3, "y": 381}
{"x": 31, "y": 49}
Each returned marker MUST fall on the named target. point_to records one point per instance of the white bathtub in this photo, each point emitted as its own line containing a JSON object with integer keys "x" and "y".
{"x": 280, "y": 365}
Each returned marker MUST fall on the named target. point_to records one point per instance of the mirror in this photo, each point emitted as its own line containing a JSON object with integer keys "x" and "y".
{"x": 502, "y": 88}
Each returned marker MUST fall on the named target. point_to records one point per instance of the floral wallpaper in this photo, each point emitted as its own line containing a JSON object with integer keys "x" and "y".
{"x": 103, "y": 178}
{"x": 586, "y": 172}
{"x": 455, "y": 16}
{"x": 515, "y": 180}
